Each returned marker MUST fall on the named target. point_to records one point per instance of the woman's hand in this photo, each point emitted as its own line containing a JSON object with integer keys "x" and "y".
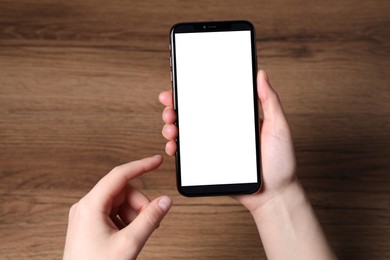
{"x": 114, "y": 220}
{"x": 284, "y": 217}
{"x": 277, "y": 151}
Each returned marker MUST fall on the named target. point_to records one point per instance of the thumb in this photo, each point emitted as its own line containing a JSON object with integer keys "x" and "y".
{"x": 148, "y": 220}
{"x": 269, "y": 99}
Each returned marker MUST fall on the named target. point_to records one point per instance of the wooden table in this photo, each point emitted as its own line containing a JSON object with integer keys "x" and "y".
{"x": 79, "y": 82}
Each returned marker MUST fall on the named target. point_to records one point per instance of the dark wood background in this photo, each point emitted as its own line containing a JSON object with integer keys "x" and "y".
{"x": 79, "y": 82}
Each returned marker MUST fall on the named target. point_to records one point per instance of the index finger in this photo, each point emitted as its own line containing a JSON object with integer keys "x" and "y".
{"x": 110, "y": 186}
{"x": 166, "y": 98}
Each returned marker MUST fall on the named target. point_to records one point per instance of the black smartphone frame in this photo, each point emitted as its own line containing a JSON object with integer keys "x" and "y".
{"x": 220, "y": 189}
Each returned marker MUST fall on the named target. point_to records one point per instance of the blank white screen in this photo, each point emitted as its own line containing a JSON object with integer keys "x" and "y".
{"x": 215, "y": 108}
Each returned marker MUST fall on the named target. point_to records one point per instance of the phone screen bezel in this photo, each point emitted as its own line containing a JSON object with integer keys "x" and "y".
{"x": 220, "y": 189}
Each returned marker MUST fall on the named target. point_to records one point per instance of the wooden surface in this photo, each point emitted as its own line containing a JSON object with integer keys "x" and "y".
{"x": 78, "y": 95}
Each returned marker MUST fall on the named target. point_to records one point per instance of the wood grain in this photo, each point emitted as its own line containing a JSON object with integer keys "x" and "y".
{"x": 79, "y": 82}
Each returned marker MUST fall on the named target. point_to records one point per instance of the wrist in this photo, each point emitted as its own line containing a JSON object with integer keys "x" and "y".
{"x": 291, "y": 198}
{"x": 288, "y": 221}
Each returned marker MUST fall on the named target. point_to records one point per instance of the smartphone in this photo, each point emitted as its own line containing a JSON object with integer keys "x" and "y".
{"x": 213, "y": 73}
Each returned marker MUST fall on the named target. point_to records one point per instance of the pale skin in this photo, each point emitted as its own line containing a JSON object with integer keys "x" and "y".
{"x": 284, "y": 217}
{"x": 114, "y": 220}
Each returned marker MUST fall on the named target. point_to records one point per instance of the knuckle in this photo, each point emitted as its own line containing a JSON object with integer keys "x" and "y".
{"x": 273, "y": 95}
{"x": 72, "y": 210}
{"x": 154, "y": 217}
{"x": 81, "y": 208}
{"x": 116, "y": 169}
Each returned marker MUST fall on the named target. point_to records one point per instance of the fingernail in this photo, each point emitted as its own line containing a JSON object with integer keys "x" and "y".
{"x": 165, "y": 203}
{"x": 157, "y": 156}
